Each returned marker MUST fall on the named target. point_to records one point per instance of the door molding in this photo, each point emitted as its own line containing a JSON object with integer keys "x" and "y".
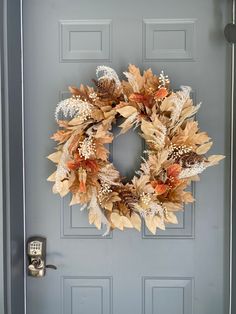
{"x": 11, "y": 179}
{"x": 232, "y": 214}
{"x": 2, "y": 303}
{"x": 12, "y": 213}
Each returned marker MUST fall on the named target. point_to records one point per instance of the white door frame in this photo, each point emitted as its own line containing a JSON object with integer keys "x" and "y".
{"x": 12, "y": 213}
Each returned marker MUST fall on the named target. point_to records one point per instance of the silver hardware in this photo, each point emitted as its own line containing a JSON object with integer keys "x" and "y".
{"x": 36, "y": 251}
{"x": 230, "y": 33}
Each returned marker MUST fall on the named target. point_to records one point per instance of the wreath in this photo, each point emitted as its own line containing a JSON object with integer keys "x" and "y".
{"x": 174, "y": 155}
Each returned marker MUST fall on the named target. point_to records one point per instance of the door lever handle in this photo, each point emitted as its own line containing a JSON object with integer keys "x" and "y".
{"x": 230, "y": 33}
{"x": 36, "y": 252}
{"x": 51, "y": 266}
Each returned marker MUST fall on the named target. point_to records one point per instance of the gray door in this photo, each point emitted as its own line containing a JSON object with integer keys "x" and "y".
{"x": 182, "y": 270}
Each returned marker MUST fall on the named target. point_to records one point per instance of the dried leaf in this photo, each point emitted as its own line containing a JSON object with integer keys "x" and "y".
{"x": 161, "y": 93}
{"x": 214, "y": 160}
{"x": 101, "y": 151}
{"x": 55, "y": 157}
{"x": 160, "y": 188}
{"x": 151, "y": 224}
{"x": 126, "y": 111}
{"x": 173, "y": 170}
{"x": 61, "y": 187}
{"x": 61, "y": 136}
{"x": 171, "y": 218}
{"x": 173, "y": 207}
{"x": 96, "y": 215}
{"x": 75, "y": 199}
{"x": 120, "y": 222}
{"x": 95, "y": 218}
{"x": 108, "y": 200}
{"x": 128, "y": 123}
{"x": 52, "y": 177}
{"x": 159, "y": 222}
{"x": 187, "y": 197}
{"x": 136, "y": 221}
{"x": 135, "y": 78}
{"x": 154, "y": 133}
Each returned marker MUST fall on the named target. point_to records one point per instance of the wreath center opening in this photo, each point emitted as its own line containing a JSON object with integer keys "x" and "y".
{"x": 126, "y": 151}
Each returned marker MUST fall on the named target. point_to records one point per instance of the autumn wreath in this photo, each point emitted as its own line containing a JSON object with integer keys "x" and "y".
{"x": 174, "y": 157}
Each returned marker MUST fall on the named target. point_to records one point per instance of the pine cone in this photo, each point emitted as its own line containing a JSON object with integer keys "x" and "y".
{"x": 105, "y": 87}
{"x": 128, "y": 198}
{"x": 189, "y": 159}
{"x": 184, "y": 156}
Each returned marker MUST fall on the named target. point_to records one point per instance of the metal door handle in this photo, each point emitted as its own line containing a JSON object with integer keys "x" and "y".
{"x": 36, "y": 251}
{"x": 51, "y": 266}
{"x": 230, "y": 33}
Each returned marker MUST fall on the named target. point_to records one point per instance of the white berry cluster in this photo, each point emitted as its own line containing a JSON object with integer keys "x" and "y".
{"x": 87, "y": 147}
{"x": 73, "y": 107}
{"x": 104, "y": 190}
{"x": 176, "y": 151}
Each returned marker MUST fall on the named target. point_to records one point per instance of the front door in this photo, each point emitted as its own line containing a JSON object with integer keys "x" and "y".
{"x": 182, "y": 270}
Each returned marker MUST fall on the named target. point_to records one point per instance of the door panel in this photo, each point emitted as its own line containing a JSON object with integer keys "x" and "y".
{"x": 180, "y": 270}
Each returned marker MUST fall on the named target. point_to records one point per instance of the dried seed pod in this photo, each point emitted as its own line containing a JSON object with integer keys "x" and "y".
{"x": 128, "y": 198}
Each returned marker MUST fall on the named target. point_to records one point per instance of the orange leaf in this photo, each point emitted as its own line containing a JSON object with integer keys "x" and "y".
{"x": 72, "y": 165}
{"x": 173, "y": 170}
{"x": 141, "y": 98}
{"x": 160, "y": 188}
{"x": 79, "y": 161}
{"x": 82, "y": 187}
{"x": 161, "y": 93}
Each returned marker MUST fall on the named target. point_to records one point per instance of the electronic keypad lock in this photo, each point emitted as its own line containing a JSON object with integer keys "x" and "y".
{"x": 36, "y": 252}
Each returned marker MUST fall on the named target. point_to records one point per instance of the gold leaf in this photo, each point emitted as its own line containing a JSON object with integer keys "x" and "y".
{"x": 61, "y": 187}
{"x": 126, "y": 222}
{"x": 135, "y": 78}
{"x": 61, "y": 136}
{"x": 76, "y": 121}
{"x": 97, "y": 115}
{"x": 115, "y": 219}
{"x": 159, "y": 222}
{"x": 154, "y": 132}
{"x": 95, "y": 219}
{"x": 214, "y": 159}
{"x": 120, "y": 221}
{"x": 171, "y": 218}
{"x": 109, "y": 114}
{"x": 188, "y": 198}
{"x": 128, "y": 123}
{"x": 204, "y": 148}
{"x": 75, "y": 199}
{"x": 151, "y": 224}
{"x": 52, "y": 177}
{"x": 55, "y": 157}
{"x": 147, "y": 128}
{"x": 126, "y": 111}
{"x": 108, "y": 206}
{"x": 136, "y": 221}
{"x": 173, "y": 207}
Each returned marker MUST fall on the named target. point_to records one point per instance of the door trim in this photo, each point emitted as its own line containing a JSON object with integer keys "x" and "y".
{"x": 11, "y": 179}
{"x": 12, "y": 232}
{"x": 2, "y": 249}
{"x": 232, "y": 306}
